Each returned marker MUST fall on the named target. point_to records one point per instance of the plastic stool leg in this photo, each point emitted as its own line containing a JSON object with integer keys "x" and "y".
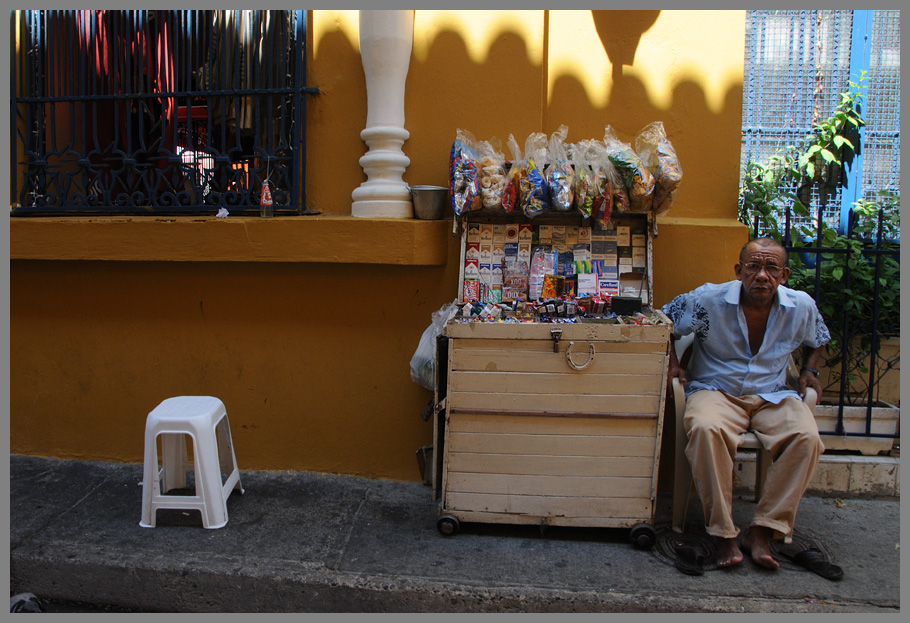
{"x": 174, "y": 461}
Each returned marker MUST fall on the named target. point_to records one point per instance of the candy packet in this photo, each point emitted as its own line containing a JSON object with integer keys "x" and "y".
{"x": 605, "y": 183}
{"x": 464, "y": 183}
{"x": 510, "y": 188}
{"x": 533, "y": 194}
{"x": 637, "y": 179}
{"x": 560, "y": 175}
{"x": 492, "y": 173}
{"x": 585, "y": 190}
{"x": 657, "y": 153}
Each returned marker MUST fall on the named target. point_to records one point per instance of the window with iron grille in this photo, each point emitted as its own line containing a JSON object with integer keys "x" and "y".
{"x": 797, "y": 64}
{"x": 146, "y": 111}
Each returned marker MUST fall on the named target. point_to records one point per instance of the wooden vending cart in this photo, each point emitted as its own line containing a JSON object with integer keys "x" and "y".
{"x": 551, "y": 424}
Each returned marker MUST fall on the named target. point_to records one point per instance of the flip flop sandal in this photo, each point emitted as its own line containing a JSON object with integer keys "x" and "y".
{"x": 814, "y": 560}
{"x": 690, "y": 561}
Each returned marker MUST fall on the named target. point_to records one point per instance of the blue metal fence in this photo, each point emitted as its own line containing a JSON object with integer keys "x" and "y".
{"x": 146, "y": 111}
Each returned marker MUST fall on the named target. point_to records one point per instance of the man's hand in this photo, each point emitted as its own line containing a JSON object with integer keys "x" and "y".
{"x": 808, "y": 379}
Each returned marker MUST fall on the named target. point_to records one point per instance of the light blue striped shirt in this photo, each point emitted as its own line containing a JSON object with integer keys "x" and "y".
{"x": 721, "y": 357}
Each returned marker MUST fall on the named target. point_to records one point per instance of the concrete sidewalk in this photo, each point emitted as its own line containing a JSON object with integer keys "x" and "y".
{"x": 308, "y": 542}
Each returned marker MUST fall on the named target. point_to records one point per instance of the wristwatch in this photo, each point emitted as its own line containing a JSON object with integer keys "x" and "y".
{"x": 812, "y": 370}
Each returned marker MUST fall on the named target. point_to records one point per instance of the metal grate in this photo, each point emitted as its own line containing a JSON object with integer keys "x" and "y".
{"x": 157, "y": 111}
{"x": 882, "y": 141}
{"x": 797, "y": 64}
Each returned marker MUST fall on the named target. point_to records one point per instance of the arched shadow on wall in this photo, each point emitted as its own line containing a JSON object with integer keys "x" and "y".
{"x": 506, "y": 94}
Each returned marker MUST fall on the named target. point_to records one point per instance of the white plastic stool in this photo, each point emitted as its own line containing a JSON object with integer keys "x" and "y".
{"x": 203, "y": 418}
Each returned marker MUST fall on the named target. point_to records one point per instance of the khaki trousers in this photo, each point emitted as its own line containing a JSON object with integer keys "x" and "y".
{"x": 715, "y": 420}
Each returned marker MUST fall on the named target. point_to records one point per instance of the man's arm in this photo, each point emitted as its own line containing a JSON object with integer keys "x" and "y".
{"x": 807, "y": 374}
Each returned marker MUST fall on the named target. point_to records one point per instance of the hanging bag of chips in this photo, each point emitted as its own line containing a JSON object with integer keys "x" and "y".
{"x": 510, "y": 188}
{"x": 533, "y": 194}
{"x": 464, "y": 183}
{"x": 585, "y": 189}
{"x": 657, "y": 153}
{"x": 560, "y": 176}
{"x": 636, "y": 177}
{"x": 492, "y": 173}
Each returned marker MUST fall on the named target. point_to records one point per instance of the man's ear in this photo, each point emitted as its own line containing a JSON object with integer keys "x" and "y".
{"x": 738, "y": 269}
{"x": 784, "y": 274}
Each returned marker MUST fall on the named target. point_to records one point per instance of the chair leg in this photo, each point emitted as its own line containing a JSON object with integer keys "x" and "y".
{"x": 762, "y": 463}
{"x": 682, "y": 486}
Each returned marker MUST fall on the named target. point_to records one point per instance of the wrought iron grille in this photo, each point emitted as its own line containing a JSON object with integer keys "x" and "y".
{"x": 870, "y": 247}
{"x": 138, "y": 112}
{"x": 797, "y": 64}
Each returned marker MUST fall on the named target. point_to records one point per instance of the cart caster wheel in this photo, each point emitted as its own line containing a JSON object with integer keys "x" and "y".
{"x": 643, "y": 536}
{"x": 447, "y": 525}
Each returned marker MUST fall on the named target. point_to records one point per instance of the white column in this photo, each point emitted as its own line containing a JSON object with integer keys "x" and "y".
{"x": 386, "y": 38}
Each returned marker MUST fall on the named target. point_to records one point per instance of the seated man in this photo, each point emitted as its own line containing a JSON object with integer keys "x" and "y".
{"x": 745, "y": 331}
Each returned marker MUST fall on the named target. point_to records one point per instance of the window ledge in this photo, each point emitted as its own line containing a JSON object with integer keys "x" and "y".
{"x": 332, "y": 239}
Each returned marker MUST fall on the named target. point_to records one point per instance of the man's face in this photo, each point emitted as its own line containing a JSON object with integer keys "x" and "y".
{"x": 761, "y": 272}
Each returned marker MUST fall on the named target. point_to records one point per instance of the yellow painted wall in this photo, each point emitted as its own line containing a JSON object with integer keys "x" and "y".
{"x": 308, "y": 347}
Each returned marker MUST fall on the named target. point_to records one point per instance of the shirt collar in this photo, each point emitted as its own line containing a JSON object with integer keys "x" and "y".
{"x": 735, "y": 288}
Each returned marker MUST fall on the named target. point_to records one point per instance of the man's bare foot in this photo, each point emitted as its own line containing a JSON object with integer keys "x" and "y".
{"x": 757, "y": 542}
{"x": 728, "y": 554}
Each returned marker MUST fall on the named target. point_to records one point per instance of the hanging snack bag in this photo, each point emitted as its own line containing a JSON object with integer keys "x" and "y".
{"x": 533, "y": 194}
{"x": 560, "y": 175}
{"x": 585, "y": 189}
{"x": 635, "y": 175}
{"x": 605, "y": 183}
{"x": 510, "y": 188}
{"x": 657, "y": 153}
{"x": 492, "y": 173}
{"x": 464, "y": 184}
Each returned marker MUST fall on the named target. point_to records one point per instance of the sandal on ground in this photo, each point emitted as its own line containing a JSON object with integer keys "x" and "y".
{"x": 690, "y": 561}
{"x": 816, "y": 561}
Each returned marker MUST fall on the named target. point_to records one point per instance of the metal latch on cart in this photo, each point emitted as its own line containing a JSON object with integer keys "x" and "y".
{"x": 555, "y": 334}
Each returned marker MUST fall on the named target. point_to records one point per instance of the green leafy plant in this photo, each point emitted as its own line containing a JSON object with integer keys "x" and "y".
{"x": 856, "y": 294}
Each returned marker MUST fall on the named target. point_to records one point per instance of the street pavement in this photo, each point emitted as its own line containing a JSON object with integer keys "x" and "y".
{"x": 312, "y": 542}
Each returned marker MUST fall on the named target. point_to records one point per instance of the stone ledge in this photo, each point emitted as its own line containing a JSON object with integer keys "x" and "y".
{"x": 331, "y": 239}
{"x": 836, "y": 474}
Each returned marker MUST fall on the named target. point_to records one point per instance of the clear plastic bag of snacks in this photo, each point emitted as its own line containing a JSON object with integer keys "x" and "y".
{"x": 560, "y": 175}
{"x": 657, "y": 153}
{"x": 637, "y": 179}
{"x": 464, "y": 182}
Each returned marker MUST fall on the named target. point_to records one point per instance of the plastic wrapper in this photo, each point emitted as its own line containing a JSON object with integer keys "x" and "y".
{"x": 560, "y": 175}
{"x": 423, "y": 362}
{"x": 464, "y": 181}
{"x": 637, "y": 179}
{"x": 510, "y": 188}
{"x": 492, "y": 173}
{"x": 657, "y": 153}
{"x": 605, "y": 183}
{"x": 585, "y": 189}
{"x": 533, "y": 194}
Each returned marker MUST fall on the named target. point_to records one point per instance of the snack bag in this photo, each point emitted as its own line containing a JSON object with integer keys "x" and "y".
{"x": 636, "y": 177}
{"x": 492, "y": 173}
{"x": 560, "y": 175}
{"x": 510, "y": 188}
{"x": 605, "y": 183}
{"x": 533, "y": 194}
{"x": 464, "y": 185}
{"x": 585, "y": 189}
{"x": 658, "y": 155}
